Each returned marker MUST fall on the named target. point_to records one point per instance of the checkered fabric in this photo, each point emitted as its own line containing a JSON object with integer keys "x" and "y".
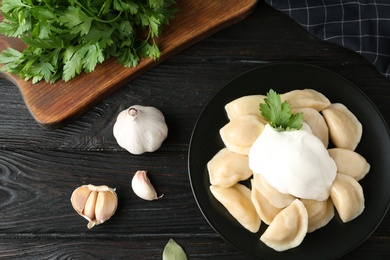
{"x": 359, "y": 25}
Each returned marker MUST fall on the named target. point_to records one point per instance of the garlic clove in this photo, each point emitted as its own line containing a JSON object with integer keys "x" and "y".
{"x": 106, "y": 205}
{"x": 142, "y": 186}
{"x": 91, "y": 224}
{"x": 89, "y": 209}
{"x": 79, "y": 198}
{"x": 95, "y": 203}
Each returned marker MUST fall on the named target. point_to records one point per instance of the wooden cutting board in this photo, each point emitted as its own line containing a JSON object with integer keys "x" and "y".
{"x": 55, "y": 105}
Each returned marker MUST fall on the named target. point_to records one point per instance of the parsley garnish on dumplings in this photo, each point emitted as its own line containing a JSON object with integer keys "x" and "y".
{"x": 278, "y": 114}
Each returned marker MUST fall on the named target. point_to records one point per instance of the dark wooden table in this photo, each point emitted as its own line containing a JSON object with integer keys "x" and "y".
{"x": 39, "y": 168}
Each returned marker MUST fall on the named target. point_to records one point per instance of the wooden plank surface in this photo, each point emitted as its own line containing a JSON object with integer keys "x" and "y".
{"x": 39, "y": 169}
{"x": 54, "y": 105}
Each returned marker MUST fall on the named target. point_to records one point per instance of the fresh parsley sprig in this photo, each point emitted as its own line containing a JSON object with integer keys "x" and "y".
{"x": 278, "y": 114}
{"x": 65, "y": 38}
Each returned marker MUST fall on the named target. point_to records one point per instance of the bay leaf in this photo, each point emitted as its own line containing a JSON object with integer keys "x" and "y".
{"x": 173, "y": 251}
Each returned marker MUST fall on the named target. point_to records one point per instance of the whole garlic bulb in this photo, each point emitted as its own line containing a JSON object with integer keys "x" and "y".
{"x": 140, "y": 129}
{"x": 95, "y": 203}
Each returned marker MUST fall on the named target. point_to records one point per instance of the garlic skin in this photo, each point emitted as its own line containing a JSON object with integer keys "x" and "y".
{"x": 95, "y": 203}
{"x": 140, "y": 129}
{"x": 142, "y": 186}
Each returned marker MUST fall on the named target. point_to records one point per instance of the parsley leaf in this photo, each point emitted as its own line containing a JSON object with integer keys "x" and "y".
{"x": 78, "y": 21}
{"x": 11, "y": 55}
{"x": 66, "y": 38}
{"x": 278, "y": 114}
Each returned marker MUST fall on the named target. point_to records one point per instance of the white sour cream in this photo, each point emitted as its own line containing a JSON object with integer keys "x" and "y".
{"x": 294, "y": 162}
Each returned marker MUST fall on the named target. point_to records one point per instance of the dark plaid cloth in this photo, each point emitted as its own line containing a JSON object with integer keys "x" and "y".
{"x": 359, "y": 25}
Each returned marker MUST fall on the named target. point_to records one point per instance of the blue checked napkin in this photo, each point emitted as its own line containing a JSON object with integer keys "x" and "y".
{"x": 362, "y": 26}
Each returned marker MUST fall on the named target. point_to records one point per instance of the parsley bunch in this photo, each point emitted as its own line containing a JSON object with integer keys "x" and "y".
{"x": 67, "y": 37}
{"x": 278, "y": 114}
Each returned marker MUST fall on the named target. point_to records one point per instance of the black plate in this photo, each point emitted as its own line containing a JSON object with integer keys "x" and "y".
{"x": 333, "y": 240}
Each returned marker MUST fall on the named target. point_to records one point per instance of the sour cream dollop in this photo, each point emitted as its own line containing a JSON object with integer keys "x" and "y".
{"x": 294, "y": 162}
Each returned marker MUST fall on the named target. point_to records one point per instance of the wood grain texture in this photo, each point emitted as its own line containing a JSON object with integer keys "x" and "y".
{"x": 54, "y": 105}
{"x": 27, "y": 178}
{"x": 134, "y": 247}
{"x": 39, "y": 168}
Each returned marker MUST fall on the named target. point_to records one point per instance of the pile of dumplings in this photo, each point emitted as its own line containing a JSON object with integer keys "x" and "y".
{"x": 289, "y": 218}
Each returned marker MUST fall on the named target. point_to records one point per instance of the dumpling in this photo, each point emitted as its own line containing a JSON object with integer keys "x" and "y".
{"x": 345, "y": 130}
{"x": 306, "y": 98}
{"x": 227, "y": 168}
{"x": 319, "y": 213}
{"x": 237, "y": 200}
{"x": 347, "y": 196}
{"x": 350, "y": 163}
{"x": 240, "y": 133}
{"x": 266, "y": 210}
{"x": 288, "y": 229}
{"x": 316, "y": 122}
{"x": 246, "y": 105}
{"x": 275, "y": 197}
